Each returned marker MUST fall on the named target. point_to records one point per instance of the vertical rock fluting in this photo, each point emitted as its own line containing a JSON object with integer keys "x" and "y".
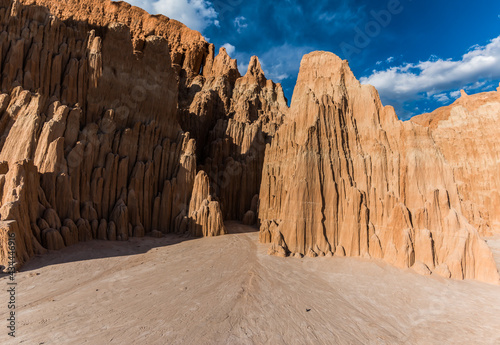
{"x": 216, "y": 105}
{"x": 19, "y": 211}
{"x": 466, "y": 133}
{"x": 92, "y": 115}
{"x": 343, "y": 176}
{"x": 224, "y": 112}
{"x": 116, "y": 108}
{"x": 205, "y": 217}
{"x": 115, "y": 123}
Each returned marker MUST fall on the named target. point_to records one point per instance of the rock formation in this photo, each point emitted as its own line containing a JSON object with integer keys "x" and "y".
{"x": 117, "y": 124}
{"x": 466, "y": 134}
{"x": 95, "y": 121}
{"x": 113, "y": 113}
{"x": 344, "y": 176}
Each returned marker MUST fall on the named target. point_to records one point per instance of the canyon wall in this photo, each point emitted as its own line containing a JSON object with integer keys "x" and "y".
{"x": 115, "y": 123}
{"x": 466, "y": 132}
{"x": 343, "y": 176}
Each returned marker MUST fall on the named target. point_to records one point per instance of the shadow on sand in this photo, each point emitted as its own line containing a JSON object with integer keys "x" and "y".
{"x": 97, "y": 249}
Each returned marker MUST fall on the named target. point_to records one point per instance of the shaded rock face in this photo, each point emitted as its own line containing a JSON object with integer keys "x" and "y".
{"x": 115, "y": 112}
{"x": 205, "y": 218}
{"x": 234, "y": 153}
{"x": 89, "y": 138}
{"x": 466, "y": 134}
{"x": 117, "y": 124}
{"x": 343, "y": 176}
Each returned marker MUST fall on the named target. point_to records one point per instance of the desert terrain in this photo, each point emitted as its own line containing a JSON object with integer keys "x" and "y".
{"x": 153, "y": 193}
{"x": 227, "y": 290}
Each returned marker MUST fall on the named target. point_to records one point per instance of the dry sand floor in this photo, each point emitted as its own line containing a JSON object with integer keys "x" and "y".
{"x": 227, "y": 290}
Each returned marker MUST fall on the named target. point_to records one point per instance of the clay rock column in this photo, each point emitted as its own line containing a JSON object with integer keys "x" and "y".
{"x": 205, "y": 215}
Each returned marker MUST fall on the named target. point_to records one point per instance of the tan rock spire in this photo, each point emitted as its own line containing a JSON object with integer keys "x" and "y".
{"x": 223, "y": 65}
{"x": 254, "y": 72}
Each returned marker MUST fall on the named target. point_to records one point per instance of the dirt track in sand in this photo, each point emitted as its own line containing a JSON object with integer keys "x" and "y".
{"x": 227, "y": 290}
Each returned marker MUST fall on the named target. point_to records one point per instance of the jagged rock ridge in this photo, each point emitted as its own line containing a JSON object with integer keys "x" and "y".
{"x": 115, "y": 123}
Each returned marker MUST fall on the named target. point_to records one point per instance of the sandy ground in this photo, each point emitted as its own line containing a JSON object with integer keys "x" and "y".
{"x": 227, "y": 290}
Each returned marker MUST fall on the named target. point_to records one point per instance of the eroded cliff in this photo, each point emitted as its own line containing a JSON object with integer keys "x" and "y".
{"x": 115, "y": 123}
{"x": 112, "y": 113}
{"x": 343, "y": 176}
{"x": 466, "y": 134}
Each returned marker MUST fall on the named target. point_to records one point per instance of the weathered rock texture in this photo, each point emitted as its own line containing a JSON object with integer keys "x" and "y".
{"x": 344, "y": 176}
{"x": 112, "y": 113}
{"x": 466, "y": 132}
{"x": 91, "y": 121}
{"x": 115, "y": 123}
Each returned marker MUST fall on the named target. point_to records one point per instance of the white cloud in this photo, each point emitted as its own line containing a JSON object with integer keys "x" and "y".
{"x": 240, "y": 23}
{"x": 281, "y": 62}
{"x": 242, "y": 66}
{"x": 344, "y": 15}
{"x": 278, "y": 63}
{"x": 196, "y": 14}
{"x": 455, "y": 94}
{"x": 442, "y": 97}
{"x": 388, "y": 60}
{"x": 230, "y": 49}
{"x": 476, "y": 85}
{"x": 328, "y": 16}
{"x": 409, "y": 81}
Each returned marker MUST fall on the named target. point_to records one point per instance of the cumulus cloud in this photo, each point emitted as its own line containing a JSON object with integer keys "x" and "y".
{"x": 240, "y": 23}
{"x": 410, "y": 81}
{"x": 230, "y": 49}
{"x": 196, "y": 14}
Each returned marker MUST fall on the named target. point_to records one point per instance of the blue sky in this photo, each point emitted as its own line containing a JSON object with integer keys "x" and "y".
{"x": 418, "y": 54}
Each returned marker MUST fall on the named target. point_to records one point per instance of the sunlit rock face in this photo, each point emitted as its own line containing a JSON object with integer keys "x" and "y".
{"x": 343, "y": 176}
{"x": 466, "y": 132}
{"x": 117, "y": 124}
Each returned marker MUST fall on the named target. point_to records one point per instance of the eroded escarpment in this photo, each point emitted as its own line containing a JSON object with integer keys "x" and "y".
{"x": 94, "y": 126}
{"x": 115, "y": 123}
{"x": 231, "y": 117}
{"x": 113, "y": 113}
{"x": 343, "y": 176}
{"x": 466, "y": 132}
